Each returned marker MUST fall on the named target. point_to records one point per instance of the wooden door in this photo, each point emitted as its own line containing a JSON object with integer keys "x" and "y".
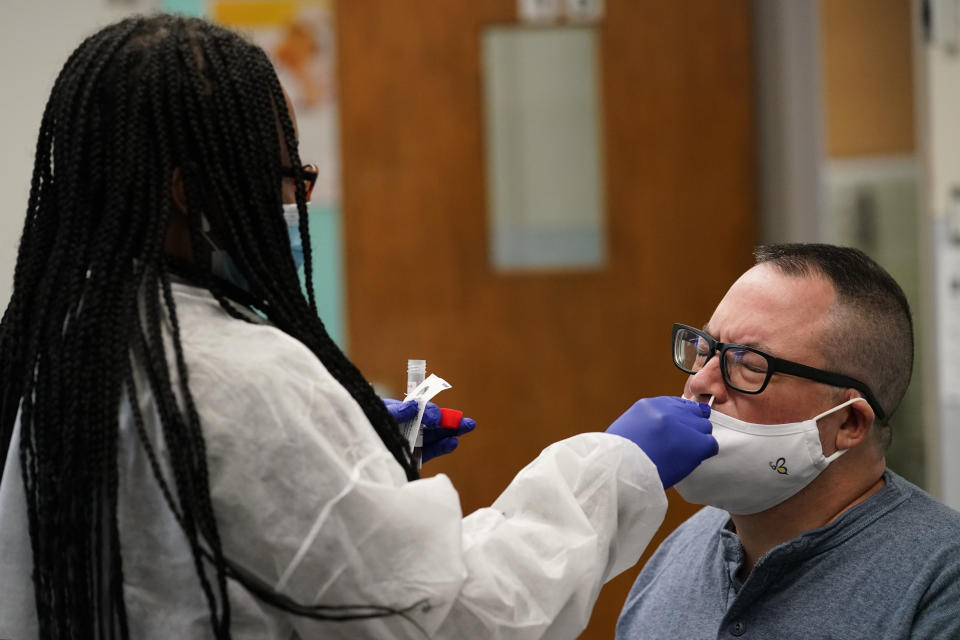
{"x": 539, "y": 357}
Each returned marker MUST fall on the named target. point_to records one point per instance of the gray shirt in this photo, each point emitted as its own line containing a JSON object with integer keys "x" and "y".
{"x": 887, "y": 568}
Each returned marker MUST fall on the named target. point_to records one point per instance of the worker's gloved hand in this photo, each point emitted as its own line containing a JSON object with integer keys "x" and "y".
{"x": 438, "y": 439}
{"x": 673, "y": 432}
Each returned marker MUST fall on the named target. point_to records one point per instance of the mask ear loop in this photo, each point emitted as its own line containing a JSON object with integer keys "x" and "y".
{"x": 839, "y": 452}
{"x": 205, "y": 230}
{"x": 838, "y": 407}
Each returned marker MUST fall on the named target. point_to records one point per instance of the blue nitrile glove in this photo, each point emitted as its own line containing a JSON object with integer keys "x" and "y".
{"x": 673, "y": 432}
{"x": 437, "y": 440}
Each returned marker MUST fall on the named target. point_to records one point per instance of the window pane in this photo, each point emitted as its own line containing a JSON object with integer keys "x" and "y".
{"x": 543, "y": 148}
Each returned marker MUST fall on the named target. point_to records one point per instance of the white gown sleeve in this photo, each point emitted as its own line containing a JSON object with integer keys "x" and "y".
{"x": 576, "y": 517}
{"x": 310, "y": 500}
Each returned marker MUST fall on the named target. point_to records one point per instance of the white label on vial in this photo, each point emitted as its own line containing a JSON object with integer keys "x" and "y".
{"x": 422, "y": 394}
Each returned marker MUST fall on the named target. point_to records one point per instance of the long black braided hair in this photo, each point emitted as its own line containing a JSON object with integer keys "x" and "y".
{"x": 134, "y": 102}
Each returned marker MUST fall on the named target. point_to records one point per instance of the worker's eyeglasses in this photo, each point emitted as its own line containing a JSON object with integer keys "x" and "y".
{"x": 308, "y": 172}
{"x": 748, "y": 370}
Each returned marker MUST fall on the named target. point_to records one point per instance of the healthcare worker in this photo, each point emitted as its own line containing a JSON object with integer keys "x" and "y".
{"x": 188, "y": 455}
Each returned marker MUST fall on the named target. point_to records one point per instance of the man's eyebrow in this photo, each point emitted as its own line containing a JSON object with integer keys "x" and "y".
{"x": 757, "y": 346}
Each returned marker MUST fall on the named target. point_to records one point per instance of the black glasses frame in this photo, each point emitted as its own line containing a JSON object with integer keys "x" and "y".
{"x": 309, "y": 172}
{"x": 774, "y": 365}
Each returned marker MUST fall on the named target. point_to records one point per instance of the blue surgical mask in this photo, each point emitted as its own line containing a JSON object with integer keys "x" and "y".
{"x": 292, "y": 216}
{"x": 221, "y": 264}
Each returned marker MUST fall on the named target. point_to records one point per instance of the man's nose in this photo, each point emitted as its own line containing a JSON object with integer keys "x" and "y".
{"x": 708, "y": 382}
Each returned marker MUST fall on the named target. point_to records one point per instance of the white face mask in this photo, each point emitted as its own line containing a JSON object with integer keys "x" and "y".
{"x": 758, "y": 465}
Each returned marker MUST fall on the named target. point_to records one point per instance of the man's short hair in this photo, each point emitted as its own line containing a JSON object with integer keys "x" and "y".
{"x": 872, "y": 339}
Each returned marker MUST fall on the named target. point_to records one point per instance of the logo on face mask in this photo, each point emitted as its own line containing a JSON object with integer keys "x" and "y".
{"x": 780, "y": 466}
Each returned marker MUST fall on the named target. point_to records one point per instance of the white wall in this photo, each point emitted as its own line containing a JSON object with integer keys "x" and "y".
{"x": 36, "y": 36}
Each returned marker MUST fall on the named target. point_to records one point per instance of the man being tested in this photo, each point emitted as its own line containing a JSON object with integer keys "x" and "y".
{"x": 808, "y": 534}
{"x": 185, "y": 452}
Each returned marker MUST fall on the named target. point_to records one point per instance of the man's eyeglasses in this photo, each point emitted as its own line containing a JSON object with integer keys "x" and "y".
{"x": 308, "y": 172}
{"x": 748, "y": 370}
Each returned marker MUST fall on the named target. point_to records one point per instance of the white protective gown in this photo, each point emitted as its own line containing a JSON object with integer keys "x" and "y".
{"x": 308, "y": 498}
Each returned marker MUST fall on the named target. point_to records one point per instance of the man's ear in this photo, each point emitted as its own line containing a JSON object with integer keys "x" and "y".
{"x": 178, "y": 191}
{"x": 856, "y": 428}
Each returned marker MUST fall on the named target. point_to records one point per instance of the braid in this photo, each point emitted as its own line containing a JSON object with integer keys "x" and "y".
{"x": 92, "y": 292}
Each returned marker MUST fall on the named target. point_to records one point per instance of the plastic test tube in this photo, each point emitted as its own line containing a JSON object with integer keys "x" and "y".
{"x": 416, "y": 373}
